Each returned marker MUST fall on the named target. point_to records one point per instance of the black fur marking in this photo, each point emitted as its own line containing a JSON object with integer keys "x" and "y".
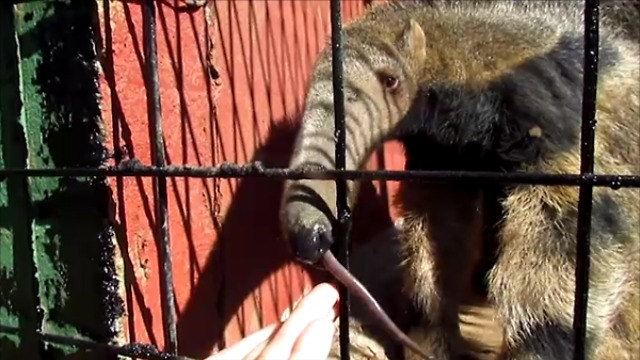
{"x": 548, "y": 341}
{"x": 608, "y": 227}
{"x": 607, "y": 217}
{"x": 422, "y": 154}
{"x": 493, "y": 213}
{"x": 547, "y": 92}
{"x": 608, "y": 55}
{"x": 452, "y": 124}
{"x": 493, "y": 125}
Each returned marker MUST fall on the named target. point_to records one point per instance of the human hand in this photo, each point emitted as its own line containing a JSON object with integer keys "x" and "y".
{"x": 306, "y": 334}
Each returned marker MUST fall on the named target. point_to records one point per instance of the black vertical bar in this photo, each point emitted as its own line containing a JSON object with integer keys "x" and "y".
{"x": 160, "y": 183}
{"x": 591, "y": 39}
{"x": 342, "y": 233}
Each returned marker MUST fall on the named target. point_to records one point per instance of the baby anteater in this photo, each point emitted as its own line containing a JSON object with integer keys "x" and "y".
{"x": 487, "y": 86}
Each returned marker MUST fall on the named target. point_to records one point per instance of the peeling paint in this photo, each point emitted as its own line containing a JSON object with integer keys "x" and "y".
{"x": 67, "y": 229}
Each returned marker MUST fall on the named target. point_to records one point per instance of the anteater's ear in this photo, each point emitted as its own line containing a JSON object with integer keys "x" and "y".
{"x": 413, "y": 41}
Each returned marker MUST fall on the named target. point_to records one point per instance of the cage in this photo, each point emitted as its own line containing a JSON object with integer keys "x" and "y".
{"x": 115, "y": 214}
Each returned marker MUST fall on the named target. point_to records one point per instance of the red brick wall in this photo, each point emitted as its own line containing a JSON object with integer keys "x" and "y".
{"x": 232, "y": 273}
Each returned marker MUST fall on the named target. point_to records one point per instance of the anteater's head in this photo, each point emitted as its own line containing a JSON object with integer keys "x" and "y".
{"x": 381, "y": 67}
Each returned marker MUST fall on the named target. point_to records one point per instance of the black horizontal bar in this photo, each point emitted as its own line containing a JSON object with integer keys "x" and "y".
{"x": 133, "y": 350}
{"x": 134, "y": 168}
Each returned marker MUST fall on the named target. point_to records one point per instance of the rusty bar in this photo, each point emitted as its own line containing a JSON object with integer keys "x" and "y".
{"x": 160, "y": 183}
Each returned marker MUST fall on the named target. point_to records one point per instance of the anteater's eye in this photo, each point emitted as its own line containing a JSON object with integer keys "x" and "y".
{"x": 388, "y": 79}
{"x": 390, "y": 82}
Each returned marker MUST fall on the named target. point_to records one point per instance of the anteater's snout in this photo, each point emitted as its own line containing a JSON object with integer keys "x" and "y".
{"x": 307, "y": 219}
{"x": 309, "y": 243}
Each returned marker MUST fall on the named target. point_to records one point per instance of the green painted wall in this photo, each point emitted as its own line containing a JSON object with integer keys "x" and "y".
{"x": 57, "y": 273}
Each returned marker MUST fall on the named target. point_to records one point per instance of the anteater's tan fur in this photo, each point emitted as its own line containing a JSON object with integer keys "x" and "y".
{"x": 467, "y": 48}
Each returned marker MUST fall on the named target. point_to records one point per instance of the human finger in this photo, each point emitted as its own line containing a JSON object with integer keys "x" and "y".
{"x": 319, "y": 303}
{"x": 331, "y": 315}
{"x": 244, "y": 347}
{"x": 315, "y": 340}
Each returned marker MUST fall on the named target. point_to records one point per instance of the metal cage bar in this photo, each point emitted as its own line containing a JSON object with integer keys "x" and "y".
{"x": 129, "y": 168}
{"x": 159, "y": 171}
{"x": 342, "y": 208}
{"x": 583, "y": 235}
{"x": 160, "y": 183}
{"x": 132, "y": 350}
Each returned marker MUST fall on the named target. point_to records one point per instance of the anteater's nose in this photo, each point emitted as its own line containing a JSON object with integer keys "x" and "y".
{"x": 310, "y": 243}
